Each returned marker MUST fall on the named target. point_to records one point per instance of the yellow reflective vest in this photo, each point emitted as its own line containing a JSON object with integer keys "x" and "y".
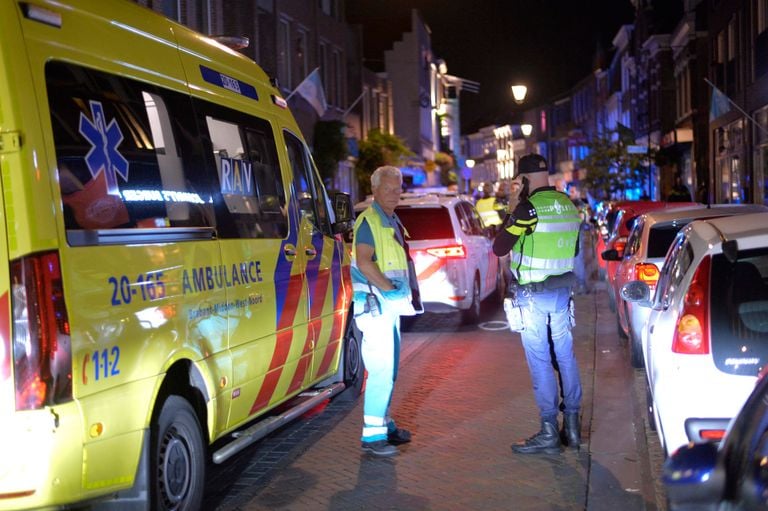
{"x": 391, "y": 260}
{"x": 488, "y": 212}
{"x": 550, "y": 249}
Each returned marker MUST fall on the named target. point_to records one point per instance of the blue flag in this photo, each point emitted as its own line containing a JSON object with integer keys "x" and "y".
{"x": 311, "y": 89}
{"x": 720, "y": 104}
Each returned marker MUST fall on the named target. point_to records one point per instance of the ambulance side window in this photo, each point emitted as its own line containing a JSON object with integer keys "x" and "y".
{"x": 243, "y": 150}
{"x": 122, "y": 159}
{"x": 311, "y": 195}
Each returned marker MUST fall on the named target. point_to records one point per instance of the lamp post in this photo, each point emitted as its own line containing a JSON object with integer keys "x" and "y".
{"x": 518, "y": 93}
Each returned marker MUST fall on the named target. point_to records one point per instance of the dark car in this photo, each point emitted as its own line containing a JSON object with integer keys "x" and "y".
{"x": 734, "y": 475}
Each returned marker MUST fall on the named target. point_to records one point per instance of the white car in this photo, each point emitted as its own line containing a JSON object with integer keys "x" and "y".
{"x": 647, "y": 245}
{"x": 452, "y": 252}
{"x": 706, "y": 336}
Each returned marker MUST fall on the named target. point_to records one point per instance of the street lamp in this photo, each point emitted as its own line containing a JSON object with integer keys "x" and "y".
{"x": 519, "y": 92}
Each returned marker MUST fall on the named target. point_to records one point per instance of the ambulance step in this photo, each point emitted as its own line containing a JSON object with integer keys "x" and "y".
{"x": 261, "y": 429}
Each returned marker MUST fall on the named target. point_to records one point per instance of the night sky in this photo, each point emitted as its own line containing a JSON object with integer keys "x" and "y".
{"x": 547, "y": 45}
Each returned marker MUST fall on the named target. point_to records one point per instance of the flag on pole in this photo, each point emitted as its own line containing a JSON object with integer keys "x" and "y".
{"x": 720, "y": 104}
{"x": 311, "y": 89}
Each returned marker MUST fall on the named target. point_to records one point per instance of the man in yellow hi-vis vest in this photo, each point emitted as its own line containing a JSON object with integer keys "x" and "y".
{"x": 487, "y": 207}
{"x": 541, "y": 236}
{"x": 385, "y": 287}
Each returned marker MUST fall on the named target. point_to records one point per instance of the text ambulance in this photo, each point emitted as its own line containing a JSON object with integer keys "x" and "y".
{"x": 171, "y": 267}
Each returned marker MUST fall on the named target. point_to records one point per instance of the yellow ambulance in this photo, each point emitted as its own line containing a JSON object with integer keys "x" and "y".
{"x": 171, "y": 266}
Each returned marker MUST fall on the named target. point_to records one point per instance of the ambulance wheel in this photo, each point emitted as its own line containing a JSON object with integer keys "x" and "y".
{"x": 178, "y": 458}
{"x": 472, "y": 315}
{"x": 354, "y": 370}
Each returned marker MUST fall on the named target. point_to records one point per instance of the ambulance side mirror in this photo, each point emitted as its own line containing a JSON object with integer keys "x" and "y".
{"x": 342, "y": 210}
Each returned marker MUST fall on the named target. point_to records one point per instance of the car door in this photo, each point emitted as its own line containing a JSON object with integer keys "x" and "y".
{"x": 669, "y": 295}
{"x": 625, "y": 270}
{"x": 476, "y": 244}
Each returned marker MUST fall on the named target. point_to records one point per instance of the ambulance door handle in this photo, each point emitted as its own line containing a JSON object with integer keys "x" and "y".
{"x": 311, "y": 252}
{"x": 289, "y": 251}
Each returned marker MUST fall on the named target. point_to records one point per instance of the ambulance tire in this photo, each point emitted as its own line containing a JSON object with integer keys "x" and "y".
{"x": 178, "y": 458}
{"x": 352, "y": 360}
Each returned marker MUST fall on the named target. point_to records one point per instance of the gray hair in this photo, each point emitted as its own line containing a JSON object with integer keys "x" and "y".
{"x": 386, "y": 170}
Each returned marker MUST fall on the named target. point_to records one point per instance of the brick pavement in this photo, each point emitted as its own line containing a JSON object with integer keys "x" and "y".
{"x": 465, "y": 394}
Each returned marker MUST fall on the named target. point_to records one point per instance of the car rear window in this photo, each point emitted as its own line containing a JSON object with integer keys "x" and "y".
{"x": 660, "y": 238}
{"x": 739, "y": 312}
{"x": 430, "y": 223}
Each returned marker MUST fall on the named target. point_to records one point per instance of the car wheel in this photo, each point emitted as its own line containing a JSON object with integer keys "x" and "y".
{"x": 635, "y": 352}
{"x": 501, "y": 285}
{"x": 177, "y": 457}
{"x": 611, "y": 298}
{"x": 651, "y": 415}
{"x": 472, "y": 315}
{"x": 601, "y": 275}
{"x": 354, "y": 370}
{"x": 619, "y": 329}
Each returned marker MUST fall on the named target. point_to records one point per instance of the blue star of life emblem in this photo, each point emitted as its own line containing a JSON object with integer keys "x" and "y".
{"x": 104, "y": 139}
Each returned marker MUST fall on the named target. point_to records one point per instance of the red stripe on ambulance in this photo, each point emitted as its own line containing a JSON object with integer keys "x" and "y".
{"x": 317, "y": 301}
{"x": 282, "y": 343}
{"x": 333, "y": 345}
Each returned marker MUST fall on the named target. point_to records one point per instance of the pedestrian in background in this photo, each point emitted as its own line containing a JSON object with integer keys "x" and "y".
{"x": 679, "y": 192}
{"x": 541, "y": 236}
{"x": 580, "y": 263}
{"x": 385, "y": 287}
{"x": 487, "y": 209}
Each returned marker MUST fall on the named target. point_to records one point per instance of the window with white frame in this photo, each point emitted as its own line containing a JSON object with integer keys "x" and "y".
{"x": 284, "y": 53}
{"x": 337, "y": 79}
{"x": 731, "y": 40}
{"x": 301, "y": 53}
{"x": 323, "y": 63}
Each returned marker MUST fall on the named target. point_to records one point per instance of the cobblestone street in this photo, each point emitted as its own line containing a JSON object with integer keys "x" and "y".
{"x": 464, "y": 392}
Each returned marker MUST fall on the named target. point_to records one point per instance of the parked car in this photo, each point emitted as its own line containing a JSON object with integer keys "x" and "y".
{"x": 731, "y": 475}
{"x": 706, "y": 335}
{"x": 647, "y": 245}
{"x": 625, "y": 214}
{"x": 452, "y": 252}
{"x": 603, "y": 219}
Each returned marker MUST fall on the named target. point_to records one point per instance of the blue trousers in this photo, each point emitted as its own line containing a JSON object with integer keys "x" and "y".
{"x": 381, "y": 355}
{"x": 546, "y": 313}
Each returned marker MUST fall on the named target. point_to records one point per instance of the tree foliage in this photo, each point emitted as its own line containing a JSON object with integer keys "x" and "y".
{"x": 376, "y": 150}
{"x": 611, "y": 169}
{"x": 330, "y": 148}
{"x": 447, "y": 164}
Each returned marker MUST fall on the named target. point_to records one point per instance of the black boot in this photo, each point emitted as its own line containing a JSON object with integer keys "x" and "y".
{"x": 572, "y": 430}
{"x": 545, "y": 441}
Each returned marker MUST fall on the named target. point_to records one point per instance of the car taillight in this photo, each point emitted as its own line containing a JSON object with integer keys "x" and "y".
{"x": 691, "y": 335}
{"x": 648, "y": 273}
{"x": 42, "y": 357}
{"x": 450, "y": 252}
{"x": 619, "y": 245}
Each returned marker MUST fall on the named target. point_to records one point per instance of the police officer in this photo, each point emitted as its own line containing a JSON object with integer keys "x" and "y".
{"x": 541, "y": 236}
{"x": 385, "y": 287}
{"x": 486, "y": 207}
